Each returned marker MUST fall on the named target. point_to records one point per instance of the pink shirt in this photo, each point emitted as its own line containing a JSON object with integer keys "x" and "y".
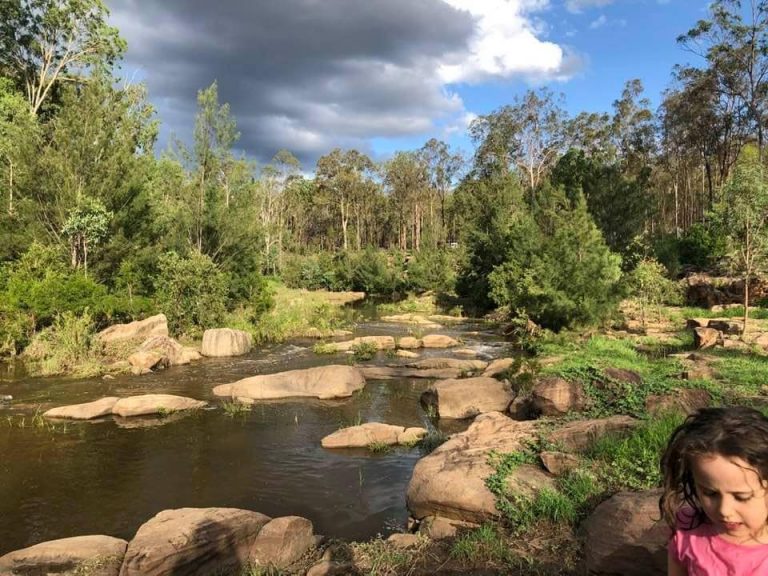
{"x": 704, "y": 553}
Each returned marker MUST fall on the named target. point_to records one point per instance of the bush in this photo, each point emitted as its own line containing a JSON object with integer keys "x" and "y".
{"x": 431, "y": 270}
{"x": 68, "y": 346}
{"x": 376, "y": 272}
{"x": 192, "y": 292}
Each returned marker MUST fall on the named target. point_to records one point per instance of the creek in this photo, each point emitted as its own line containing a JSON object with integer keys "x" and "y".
{"x": 110, "y": 476}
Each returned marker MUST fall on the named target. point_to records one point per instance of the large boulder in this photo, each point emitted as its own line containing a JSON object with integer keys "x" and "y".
{"x": 408, "y": 343}
{"x": 468, "y": 397}
{"x": 450, "y": 481}
{"x": 92, "y": 555}
{"x": 144, "y": 361}
{"x": 624, "y": 535}
{"x": 706, "y": 338}
{"x": 498, "y": 366}
{"x": 193, "y": 542}
{"x": 324, "y": 382}
{"x": 282, "y": 541}
{"x": 152, "y": 326}
{"x": 578, "y": 435}
{"x": 683, "y": 401}
{"x": 147, "y": 404}
{"x": 363, "y": 436}
{"x": 87, "y": 411}
{"x": 220, "y": 342}
{"x": 554, "y": 396}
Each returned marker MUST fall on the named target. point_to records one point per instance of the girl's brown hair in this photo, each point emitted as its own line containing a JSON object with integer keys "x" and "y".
{"x": 736, "y": 432}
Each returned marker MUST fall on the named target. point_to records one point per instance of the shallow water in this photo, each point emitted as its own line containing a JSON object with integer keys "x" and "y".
{"x": 104, "y": 478}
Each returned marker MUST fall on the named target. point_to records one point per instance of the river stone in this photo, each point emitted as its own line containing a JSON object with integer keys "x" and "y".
{"x": 144, "y": 361}
{"x": 466, "y": 352}
{"x": 624, "y": 535}
{"x": 193, "y": 542}
{"x": 282, "y": 541}
{"x": 152, "y": 326}
{"x": 406, "y": 354}
{"x": 381, "y": 343}
{"x": 92, "y": 555}
{"x": 498, "y": 366}
{"x": 468, "y": 397}
{"x": 324, "y": 382}
{"x": 458, "y": 364}
{"x": 411, "y": 435}
{"x": 154, "y": 404}
{"x": 220, "y": 342}
{"x": 87, "y": 411}
{"x": 450, "y": 481}
{"x": 438, "y": 341}
{"x": 410, "y": 319}
{"x": 394, "y": 372}
{"x": 363, "y": 436}
{"x": 409, "y": 343}
{"x": 555, "y": 396}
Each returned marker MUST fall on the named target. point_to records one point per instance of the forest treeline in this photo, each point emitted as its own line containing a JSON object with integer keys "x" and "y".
{"x": 554, "y": 216}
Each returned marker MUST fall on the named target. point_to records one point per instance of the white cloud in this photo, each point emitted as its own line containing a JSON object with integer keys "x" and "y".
{"x": 599, "y": 22}
{"x": 506, "y": 43}
{"x": 576, "y": 6}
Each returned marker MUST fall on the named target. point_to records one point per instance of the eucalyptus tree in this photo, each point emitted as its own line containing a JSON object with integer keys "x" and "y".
{"x": 736, "y": 50}
{"x": 276, "y": 177}
{"x": 344, "y": 179}
{"x": 743, "y": 215}
{"x": 528, "y": 136}
{"x": 407, "y": 180}
{"x": 442, "y": 168}
{"x": 45, "y": 42}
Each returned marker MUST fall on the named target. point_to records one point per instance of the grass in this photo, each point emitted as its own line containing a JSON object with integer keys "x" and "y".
{"x": 432, "y": 440}
{"x": 67, "y": 347}
{"x": 486, "y": 544}
{"x": 296, "y": 313}
{"x": 424, "y": 304}
{"x": 741, "y": 374}
{"x": 380, "y": 447}
{"x": 379, "y": 558}
{"x": 325, "y": 348}
{"x": 364, "y": 351}
{"x": 233, "y": 408}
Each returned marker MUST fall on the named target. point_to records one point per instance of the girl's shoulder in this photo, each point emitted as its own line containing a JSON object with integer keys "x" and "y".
{"x": 688, "y": 519}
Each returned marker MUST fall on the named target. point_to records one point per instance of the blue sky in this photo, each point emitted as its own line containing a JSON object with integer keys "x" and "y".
{"x": 385, "y": 75}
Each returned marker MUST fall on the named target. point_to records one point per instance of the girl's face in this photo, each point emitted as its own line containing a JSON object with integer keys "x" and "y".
{"x": 733, "y": 496}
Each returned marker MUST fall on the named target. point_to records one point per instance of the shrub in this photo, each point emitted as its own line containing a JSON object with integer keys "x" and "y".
{"x": 431, "y": 270}
{"x": 68, "y": 346}
{"x": 191, "y": 291}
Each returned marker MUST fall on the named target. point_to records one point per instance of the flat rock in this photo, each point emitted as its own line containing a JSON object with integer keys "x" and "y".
{"x": 153, "y": 326}
{"x": 92, "y": 555}
{"x": 468, "y": 352}
{"x": 223, "y": 342}
{"x": 578, "y": 435}
{"x": 394, "y": 372}
{"x": 438, "y": 341}
{"x": 498, "y": 366}
{"x": 154, "y": 404}
{"x": 193, "y": 542}
{"x": 468, "y": 397}
{"x": 86, "y": 411}
{"x": 410, "y": 319}
{"x": 450, "y": 481}
{"x": 363, "y": 436}
{"x": 455, "y": 363}
{"x": 409, "y": 343}
{"x": 406, "y": 354}
{"x": 324, "y": 382}
{"x": 380, "y": 342}
{"x": 411, "y": 435}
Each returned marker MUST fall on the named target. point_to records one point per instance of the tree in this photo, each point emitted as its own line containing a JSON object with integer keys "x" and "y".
{"x": 743, "y": 215}
{"x": 87, "y": 226}
{"x": 442, "y": 167}
{"x": 342, "y": 177}
{"x": 737, "y": 54}
{"x": 43, "y": 42}
{"x": 406, "y": 178}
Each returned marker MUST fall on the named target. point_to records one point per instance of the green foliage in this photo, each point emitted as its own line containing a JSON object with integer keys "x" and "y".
{"x": 569, "y": 279}
{"x": 432, "y": 440}
{"x": 68, "y": 346}
{"x": 632, "y": 461}
{"x": 86, "y": 226}
{"x": 325, "y": 348}
{"x": 380, "y": 447}
{"x": 488, "y": 543}
{"x": 376, "y": 272}
{"x": 364, "y": 351}
{"x": 648, "y": 283}
{"x": 431, "y": 270}
{"x": 236, "y": 408}
{"x": 191, "y": 291}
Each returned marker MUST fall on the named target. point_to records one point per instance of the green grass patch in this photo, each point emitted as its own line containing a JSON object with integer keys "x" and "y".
{"x": 411, "y": 305}
{"x": 364, "y": 351}
{"x": 325, "y": 348}
{"x": 486, "y": 544}
{"x": 68, "y": 346}
{"x": 683, "y": 313}
{"x": 233, "y": 408}
{"x": 632, "y": 461}
{"x": 380, "y": 447}
{"x": 740, "y": 373}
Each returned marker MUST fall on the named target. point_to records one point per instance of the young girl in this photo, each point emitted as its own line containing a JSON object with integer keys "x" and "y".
{"x": 715, "y": 495}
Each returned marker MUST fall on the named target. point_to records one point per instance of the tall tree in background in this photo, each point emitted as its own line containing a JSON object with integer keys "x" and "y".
{"x": 442, "y": 168}
{"x": 736, "y": 51}
{"x": 407, "y": 179}
{"x": 743, "y": 213}
{"x": 43, "y": 42}
{"x": 341, "y": 177}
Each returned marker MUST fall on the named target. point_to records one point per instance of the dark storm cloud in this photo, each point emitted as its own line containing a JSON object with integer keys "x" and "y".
{"x": 306, "y": 75}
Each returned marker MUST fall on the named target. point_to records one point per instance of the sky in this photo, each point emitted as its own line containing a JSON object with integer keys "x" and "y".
{"x": 387, "y": 75}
